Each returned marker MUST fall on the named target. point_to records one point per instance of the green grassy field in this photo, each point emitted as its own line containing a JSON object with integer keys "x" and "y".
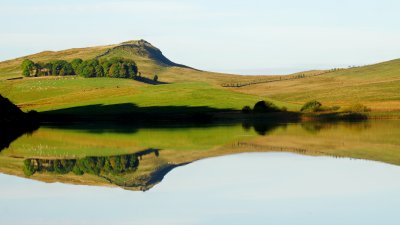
{"x": 43, "y": 94}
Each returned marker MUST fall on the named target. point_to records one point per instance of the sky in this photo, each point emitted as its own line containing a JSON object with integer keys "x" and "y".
{"x": 245, "y": 37}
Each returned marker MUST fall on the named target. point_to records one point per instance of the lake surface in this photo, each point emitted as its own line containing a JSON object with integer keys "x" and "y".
{"x": 258, "y": 188}
{"x": 304, "y": 173}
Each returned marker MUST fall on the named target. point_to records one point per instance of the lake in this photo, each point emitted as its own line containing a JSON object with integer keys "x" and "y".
{"x": 300, "y": 173}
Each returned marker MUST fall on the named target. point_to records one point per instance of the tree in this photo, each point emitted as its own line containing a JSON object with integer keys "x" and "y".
{"x": 62, "y": 72}
{"x": 48, "y": 67}
{"x": 246, "y": 109}
{"x": 311, "y": 106}
{"x": 75, "y": 64}
{"x": 88, "y": 71}
{"x": 155, "y": 78}
{"x": 265, "y": 106}
{"x": 27, "y": 67}
{"x": 99, "y": 71}
{"x": 106, "y": 68}
{"x": 114, "y": 70}
{"x": 26, "y": 72}
{"x": 123, "y": 71}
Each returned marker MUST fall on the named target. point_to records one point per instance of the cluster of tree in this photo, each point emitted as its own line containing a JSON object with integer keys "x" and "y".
{"x": 114, "y": 67}
{"x": 58, "y": 67}
{"x": 91, "y": 165}
{"x": 263, "y": 107}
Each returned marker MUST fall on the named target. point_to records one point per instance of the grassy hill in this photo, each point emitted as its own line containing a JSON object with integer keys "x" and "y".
{"x": 186, "y": 86}
{"x": 376, "y": 86}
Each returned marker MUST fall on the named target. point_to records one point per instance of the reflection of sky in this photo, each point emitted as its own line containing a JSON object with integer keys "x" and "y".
{"x": 262, "y": 188}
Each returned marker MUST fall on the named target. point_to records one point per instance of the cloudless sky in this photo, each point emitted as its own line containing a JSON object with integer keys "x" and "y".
{"x": 248, "y": 37}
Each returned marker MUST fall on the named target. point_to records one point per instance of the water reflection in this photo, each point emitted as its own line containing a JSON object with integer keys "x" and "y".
{"x": 257, "y": 189}
{"x": 137, "y": 158}
{"x": 92, "y": 165}
{"x": 117, "y": 169}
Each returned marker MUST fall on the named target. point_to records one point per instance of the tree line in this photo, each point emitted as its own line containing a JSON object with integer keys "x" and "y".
{"x": 116, "y": 67}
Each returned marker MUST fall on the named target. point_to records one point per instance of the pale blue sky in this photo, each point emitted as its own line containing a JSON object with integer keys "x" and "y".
{"x": 251, "y": 36}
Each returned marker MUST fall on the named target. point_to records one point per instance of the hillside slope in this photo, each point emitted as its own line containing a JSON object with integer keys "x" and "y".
{"x": 377, "y": 86}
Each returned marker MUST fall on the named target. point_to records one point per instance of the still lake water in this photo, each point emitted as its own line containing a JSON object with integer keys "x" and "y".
{"x": 344, "y": 173}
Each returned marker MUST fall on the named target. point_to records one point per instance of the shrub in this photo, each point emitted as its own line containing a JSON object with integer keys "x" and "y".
{"x": 335, "y": 108}
{"x": 246, "y": 109}
{"x": 311, "y": 106}
{"x": 357, "y": 108}
{"x": 265, "y": 106}
{"x": 29, "y": 168}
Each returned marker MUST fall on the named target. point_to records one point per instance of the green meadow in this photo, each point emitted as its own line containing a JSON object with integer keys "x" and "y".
{"x": 43, "y": 94}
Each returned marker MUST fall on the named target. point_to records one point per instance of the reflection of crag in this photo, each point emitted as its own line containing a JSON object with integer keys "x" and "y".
{"x": 115, "y": 169}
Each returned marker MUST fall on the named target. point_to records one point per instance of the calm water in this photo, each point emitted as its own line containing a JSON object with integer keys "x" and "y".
{"x": 266, "y": 188}
{"x": 344, "y": 173}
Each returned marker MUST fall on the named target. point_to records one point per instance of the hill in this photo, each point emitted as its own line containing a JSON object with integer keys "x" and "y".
{"x": 376, "y": 86}
{"x": 186, "y": 86}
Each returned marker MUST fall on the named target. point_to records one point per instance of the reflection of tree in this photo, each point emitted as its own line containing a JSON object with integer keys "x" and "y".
{"x": 316, "y": 127}
{"x": 261, "y": 128}
{"x": 91, "y": 165}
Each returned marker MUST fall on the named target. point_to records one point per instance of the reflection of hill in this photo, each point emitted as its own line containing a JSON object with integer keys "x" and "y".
{"x": 13, "y": 122}
{"x": 124, "y": 163}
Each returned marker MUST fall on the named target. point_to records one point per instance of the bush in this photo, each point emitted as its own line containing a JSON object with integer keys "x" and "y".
{"x": 335, "y": 108}
{"x": 311, "y": 106}
{"x": 246, "y": 109}
{"x": 265, "y": 106}
{"x": 29, "y": 168}
{"x": 357, "y": 108}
